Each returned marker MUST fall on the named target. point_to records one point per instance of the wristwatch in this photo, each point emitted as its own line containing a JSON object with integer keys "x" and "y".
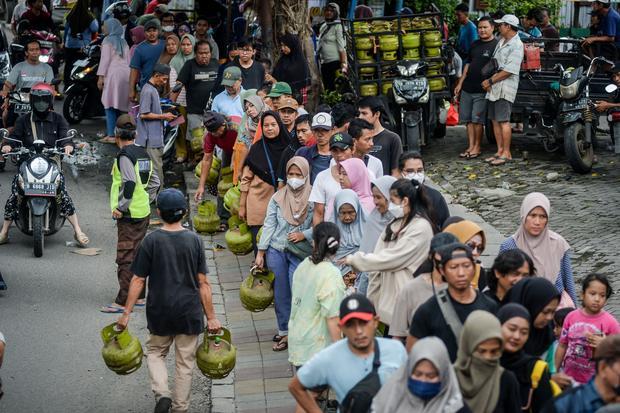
{"x": 491, "y": 81}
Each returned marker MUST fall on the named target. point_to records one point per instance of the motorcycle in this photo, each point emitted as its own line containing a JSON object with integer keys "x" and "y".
{"x": 49, "y": 42}
{"x": 39, "y": 179}
{"x": 577, "y": 115}
{"x": 411, "y": 94}
{"x": 613, "y": 118}
{"x": 83, "y": 97}
{"x": 19, "y": 104}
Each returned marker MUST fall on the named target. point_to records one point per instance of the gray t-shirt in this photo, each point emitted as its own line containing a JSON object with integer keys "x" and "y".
{"x": 150, "y": 132}
{"x": 27, "y": 75}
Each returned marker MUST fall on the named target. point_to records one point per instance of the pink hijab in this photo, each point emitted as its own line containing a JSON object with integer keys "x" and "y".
{"x": 547, "y": 249}
{"x": 360, "y": 182}
{"x": 138, "y": 32}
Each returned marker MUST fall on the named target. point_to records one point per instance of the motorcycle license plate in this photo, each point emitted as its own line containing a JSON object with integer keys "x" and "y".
{"x": 81, "y": 63}
{"x": 22, "y": 108}
{"x": 39, "y": 189}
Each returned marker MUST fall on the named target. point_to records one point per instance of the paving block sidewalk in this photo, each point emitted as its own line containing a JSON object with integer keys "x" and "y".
{"x": 259, "y": 382}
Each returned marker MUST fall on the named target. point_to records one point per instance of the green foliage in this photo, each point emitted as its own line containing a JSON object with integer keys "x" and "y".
{"x": 445, "y": 6}
{"x": 331, "y": 97}
{"x": 520, "y": 7}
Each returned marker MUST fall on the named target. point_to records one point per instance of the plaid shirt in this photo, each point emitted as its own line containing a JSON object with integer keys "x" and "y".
{"x": 509, "y": 55}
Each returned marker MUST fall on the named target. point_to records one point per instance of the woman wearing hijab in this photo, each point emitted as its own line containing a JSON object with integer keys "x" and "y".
{"x": 171, "y": 49}
{"x": 288, "y": 220}
{"x": 549, "y": 251}
{"x": 258, "y": 179}
{"x": 515, "y": 320}
{"x": 541, "y": 299}
{"x": 402, "y": 247}
{"x": 137, "y": 36}
{"x": 292, "y": 67}
{"x": 485, "y": 385}
{"x": 185, "y": 52}
{"x": 350, "y": 218}
{"x": 470, "y": 234}
{"x": 112, "y": 75}
{"x": 79, "y": 30}
{"x": 376, "y": 222}
{"x": 425, "y": 384}
{"x": 253, "y": 108}
{"x": 354, "y": 175}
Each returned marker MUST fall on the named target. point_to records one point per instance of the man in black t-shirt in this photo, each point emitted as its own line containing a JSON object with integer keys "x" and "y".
{"x": 387, "y": 144}
{"x": 469, "y": 91}
{"x": 179, "y": 296}
{"x": 457, "y": 267}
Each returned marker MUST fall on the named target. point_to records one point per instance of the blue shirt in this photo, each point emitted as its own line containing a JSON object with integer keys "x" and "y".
{"x": 78, "y": 42}
{"x": 339, "y": 368}
{"x": 610, "y": 25}
{"x": 529, "y": 33}
{"x": 145, "y": 57}
{"x": 468, "y": 33}
{"x": 318, "y": 163}
{"x": 582, "y": 399}
{"x": 222, "y": 103}
{"x": 276, "y": 228}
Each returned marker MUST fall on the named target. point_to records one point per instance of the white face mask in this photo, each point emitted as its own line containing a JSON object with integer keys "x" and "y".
{"x": 296, "y": 183}
{"x": 418, "y": 176}
{"x": 168, "y": 28}
{"x": 397, "y": 211}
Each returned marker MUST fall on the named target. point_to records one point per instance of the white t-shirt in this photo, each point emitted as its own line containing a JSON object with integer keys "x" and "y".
{"x": 324, "y": 191}
{"x": 375, "y": 167}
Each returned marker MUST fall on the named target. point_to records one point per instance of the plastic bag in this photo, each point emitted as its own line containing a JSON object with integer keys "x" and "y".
{"x": 453, "y": 116}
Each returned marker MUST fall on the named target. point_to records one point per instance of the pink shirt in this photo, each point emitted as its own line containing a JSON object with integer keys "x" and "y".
{"x": 578, "y": 362}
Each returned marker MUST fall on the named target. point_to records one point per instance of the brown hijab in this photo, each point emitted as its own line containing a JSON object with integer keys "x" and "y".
{"x": 294, "y": 202}
{"x": 166, "y": 57}
{"x": 547, "y": 249}
{"x": 464, "y": 231}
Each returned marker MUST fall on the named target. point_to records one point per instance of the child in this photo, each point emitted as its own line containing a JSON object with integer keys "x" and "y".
{"x": 558, "y": 322}
{"x": 584, "y": 329}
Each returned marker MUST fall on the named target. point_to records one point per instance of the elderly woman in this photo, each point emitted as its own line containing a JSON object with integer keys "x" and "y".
{"x": 549, "y": 251}
{"x": 426, "y": 383}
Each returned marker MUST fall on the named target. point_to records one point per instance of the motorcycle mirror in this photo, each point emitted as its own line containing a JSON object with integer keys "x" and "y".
{"x": 177, "y": 88}
{"x": 611, "y": 88}
{"x": 4, "y": 133}
{"x": 71, "y": 133}
{"x": 15, "y": 48}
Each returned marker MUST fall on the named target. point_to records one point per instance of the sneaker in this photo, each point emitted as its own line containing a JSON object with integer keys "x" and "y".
{"x": 163, "y": 405}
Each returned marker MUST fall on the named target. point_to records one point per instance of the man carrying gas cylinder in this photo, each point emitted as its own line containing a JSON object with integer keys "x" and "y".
{"x": 134, "y": 187}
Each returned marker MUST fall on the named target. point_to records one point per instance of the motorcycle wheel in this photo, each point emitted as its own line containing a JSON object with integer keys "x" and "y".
{"x": 74, "y": 106}
{"x": 37, "y": 235}
{"x": 579, "y": 157}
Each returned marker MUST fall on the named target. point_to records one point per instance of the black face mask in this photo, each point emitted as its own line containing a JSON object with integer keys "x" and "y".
{"x": 40, "y": 106}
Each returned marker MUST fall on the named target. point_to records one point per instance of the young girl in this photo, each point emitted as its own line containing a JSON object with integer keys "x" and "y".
{"x": 317, "y": 292}
{"x": 558, "y": 322}
{"x": 349, "y": 217}
{"x": 585, "y": 328}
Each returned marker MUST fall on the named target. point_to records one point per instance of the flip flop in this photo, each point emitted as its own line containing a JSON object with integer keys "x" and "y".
{"x": 281, "y": 345}
{"x": 474, "y": 155}
{"x": 465, "y": 154}
{"x": 140, "y": 303}
{"x": 500, "y": 161}
{"x": 491, "y": 158}
{"x": 81, "y": 239}
{"x": 112, "y": 309}
{"x": 276, "y": 338}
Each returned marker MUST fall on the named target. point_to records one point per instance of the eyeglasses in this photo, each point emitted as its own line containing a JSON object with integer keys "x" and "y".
{"x": 474, "y": 247}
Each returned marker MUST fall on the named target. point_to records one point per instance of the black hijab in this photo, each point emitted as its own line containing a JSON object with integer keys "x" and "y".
{"x": 266, "y": 150}
{"x": 293, "y": 67}
{"x": 519, "y": 361}
{"x": 534, "y": 293}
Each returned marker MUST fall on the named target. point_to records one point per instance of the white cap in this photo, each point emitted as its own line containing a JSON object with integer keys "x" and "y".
{"x": 322, "y": 120}
{"x": 509, "y": 19}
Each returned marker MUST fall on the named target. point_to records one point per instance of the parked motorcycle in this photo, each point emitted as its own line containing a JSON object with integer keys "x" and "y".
{"x": 83, "y": 97}
{"x": 171, "y": 129}
{"x": 577, "y": 116}
{"x": 411, "y": 94}
{"x": 613, "y": 117}
{"x": 39, "y": 184}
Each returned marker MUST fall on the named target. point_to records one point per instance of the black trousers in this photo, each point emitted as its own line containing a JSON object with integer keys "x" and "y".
{"x": 328, "y": 73}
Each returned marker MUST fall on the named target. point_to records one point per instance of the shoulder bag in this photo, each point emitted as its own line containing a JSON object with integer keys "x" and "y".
{"x": 449, "y": 314}
{"x": 301, "y": 249}
{"x": 359, "y": 398}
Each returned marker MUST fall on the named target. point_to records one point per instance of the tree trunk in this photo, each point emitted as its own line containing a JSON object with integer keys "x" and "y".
{"x": 264, "y": 10}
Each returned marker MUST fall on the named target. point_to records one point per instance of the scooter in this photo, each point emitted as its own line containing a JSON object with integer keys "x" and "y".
{"x": 83, "y": 97}
{"x": 577, "y": 116}
{"x": 411, "y": 94}
{"x": 39, "y": 179}
{"x": 171, "y": 129}
{"x": 49, "y": 42}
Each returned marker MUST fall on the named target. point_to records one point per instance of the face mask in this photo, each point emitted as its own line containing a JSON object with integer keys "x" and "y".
{"x": 168, "y": 28}
{"x": 296, "y": 183}
{"x": 418, "y": 176}
{"x": 397, "y": 211}
{"x": 422, "y": 389}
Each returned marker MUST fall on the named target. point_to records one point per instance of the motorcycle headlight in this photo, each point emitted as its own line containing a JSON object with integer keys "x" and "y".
{"x": 84, "y": 72}
{"x": 570, "y": 91}
{"x": 44, "y": 58}
{"x": 424, "y": 97}
{"x": 38, "y": 166}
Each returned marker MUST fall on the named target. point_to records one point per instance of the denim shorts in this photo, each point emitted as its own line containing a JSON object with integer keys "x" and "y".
{"x": 500, "y": 110}
{"x": 472, "y": 108}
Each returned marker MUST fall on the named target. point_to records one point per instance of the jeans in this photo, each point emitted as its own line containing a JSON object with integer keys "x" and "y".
{"x": 111, "y": 115}
{"x": 283, "y": 265}
{"x": 361, "y": 283}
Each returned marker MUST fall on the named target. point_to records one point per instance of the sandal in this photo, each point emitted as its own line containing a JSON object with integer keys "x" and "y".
{"x": 281, "y": 345}
{"x": 81, "y": 239}
{"x": 491, "y": 158}
{"x": 500, "y": 161}
{"x": 112, "y": 309}
{"x": 474, "y": 155}
{"x": 465, "y": 154}
{"x": 140, "y": 303}
{"x": 277, "y": 338}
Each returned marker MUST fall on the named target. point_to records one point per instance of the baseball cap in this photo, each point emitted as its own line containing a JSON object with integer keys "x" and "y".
{"x": 454, "y": 250}
{"x": 231, "y": 75}
{"x": 322, "y": 120}
{"x": 152, "y": 23}
{"x": 126, "y": 122}
{"x": 356, "y": 306}
{"x": 161, "y": 68}
{"x": 509, "y": 19}
{"x": 171, "y": 199}
{"x": 213, "y": 120}
{"x": 288, "y": 103}
{"x": 609, "y": 348}
{"x": 341, "y": 140}
{"x": 279, "y": 89}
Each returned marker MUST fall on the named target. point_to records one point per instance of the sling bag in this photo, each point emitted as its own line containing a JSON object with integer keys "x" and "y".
{"x": 359, "y": 398}
{"x": 448, "y": 312}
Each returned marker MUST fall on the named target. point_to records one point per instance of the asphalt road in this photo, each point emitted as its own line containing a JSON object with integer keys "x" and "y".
{"x": 50, "y": 312}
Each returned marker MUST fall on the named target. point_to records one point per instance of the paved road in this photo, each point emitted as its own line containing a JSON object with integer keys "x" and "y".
{"x": 584, "y": 207}
{"x": 50, "y": 313}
